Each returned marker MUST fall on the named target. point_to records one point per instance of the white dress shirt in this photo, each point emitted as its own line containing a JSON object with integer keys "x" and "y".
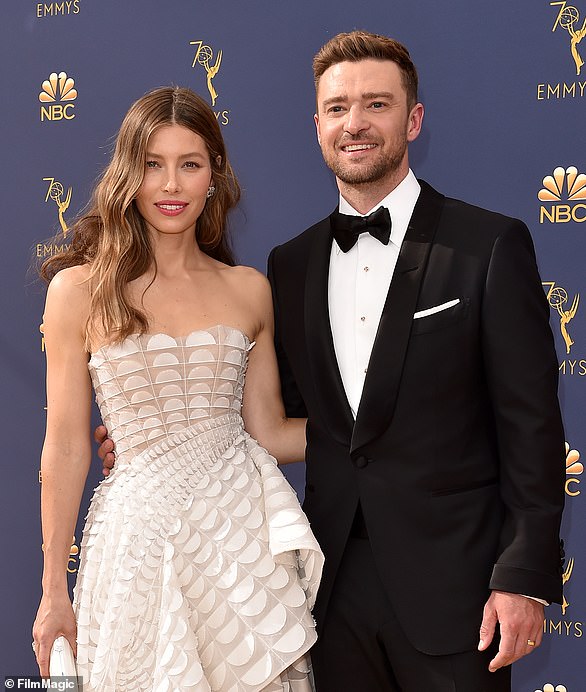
{"x": 358, "y": 284}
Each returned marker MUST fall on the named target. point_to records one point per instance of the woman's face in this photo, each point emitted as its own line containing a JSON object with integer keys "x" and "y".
{"x": 177, "y": 175}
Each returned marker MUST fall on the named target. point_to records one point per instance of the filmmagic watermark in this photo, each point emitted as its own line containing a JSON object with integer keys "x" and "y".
{"x": 35, "y": 682}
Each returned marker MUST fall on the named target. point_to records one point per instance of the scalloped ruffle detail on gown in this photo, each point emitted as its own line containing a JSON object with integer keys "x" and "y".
{"x": 198, "y": 567}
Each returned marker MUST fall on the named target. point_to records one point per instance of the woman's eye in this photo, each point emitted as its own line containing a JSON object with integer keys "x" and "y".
{"x": 151, "y": 164}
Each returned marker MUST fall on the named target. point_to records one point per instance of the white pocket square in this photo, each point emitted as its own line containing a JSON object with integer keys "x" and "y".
{"x": 437, "y": 308}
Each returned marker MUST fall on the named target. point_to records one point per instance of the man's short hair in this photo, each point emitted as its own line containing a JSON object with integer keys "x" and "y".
{"x": 362, "y": 45}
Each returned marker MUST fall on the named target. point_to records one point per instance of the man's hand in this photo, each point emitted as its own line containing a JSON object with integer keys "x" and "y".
{"x": 521, "y": 622}
{"x": 105, "y": 450}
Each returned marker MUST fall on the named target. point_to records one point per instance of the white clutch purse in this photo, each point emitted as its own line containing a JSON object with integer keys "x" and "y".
{"x": 62, "y": 661}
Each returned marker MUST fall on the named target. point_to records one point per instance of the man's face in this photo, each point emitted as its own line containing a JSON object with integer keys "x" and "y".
{"x": 363, "y": 122}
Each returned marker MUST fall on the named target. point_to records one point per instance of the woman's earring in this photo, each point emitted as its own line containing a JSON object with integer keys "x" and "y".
{"x": 211, "y": 191}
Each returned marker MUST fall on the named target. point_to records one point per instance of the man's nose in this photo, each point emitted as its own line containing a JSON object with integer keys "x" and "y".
{"x": 356, "y": 120}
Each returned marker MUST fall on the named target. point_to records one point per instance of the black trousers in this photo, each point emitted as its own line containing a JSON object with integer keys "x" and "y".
{"x": 363, "y": 648}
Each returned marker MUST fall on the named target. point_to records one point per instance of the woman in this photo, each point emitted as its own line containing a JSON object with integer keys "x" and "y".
{"x": 198, "y": 568}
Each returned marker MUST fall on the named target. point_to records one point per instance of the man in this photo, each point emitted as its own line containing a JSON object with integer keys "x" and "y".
{"x": 427, "y": 370}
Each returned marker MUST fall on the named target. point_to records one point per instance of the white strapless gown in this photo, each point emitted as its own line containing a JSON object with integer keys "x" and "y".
{"x": 198, "y": 567}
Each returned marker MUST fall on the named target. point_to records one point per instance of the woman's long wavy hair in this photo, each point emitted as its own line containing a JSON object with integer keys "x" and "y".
{"x": 112, "y": 236}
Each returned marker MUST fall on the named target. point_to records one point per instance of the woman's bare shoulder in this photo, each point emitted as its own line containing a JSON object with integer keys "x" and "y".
{"x": 249, "y": 278}
{"x": 69, "y": 290}
{"x": 71, "y": 279}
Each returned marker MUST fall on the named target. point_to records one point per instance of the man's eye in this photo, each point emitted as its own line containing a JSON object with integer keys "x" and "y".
{"x": 377, "y": 104}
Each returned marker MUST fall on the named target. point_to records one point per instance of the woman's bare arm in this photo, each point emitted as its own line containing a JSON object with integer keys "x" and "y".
{"x": 263, "y": 410}
{"x": 66, "y": 451}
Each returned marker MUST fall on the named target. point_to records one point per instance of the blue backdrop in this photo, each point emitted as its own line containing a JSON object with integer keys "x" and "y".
{"x": 505, "y": 94}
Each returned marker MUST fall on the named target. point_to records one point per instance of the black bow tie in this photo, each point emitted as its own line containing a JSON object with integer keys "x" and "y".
{"x": 347, "y": 228}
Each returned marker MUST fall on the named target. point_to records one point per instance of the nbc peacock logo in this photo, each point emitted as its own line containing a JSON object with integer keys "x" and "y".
{"x": 56, "y": 96}
{"x": 562, "y": 194}
{"x": 574, "y": 468}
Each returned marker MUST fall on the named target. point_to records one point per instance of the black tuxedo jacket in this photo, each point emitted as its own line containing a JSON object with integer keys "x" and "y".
{"x": 457, "y": 451}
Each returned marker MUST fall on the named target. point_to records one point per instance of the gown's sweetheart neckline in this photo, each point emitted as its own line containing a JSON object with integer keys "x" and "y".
{"x": 151, "y": 335}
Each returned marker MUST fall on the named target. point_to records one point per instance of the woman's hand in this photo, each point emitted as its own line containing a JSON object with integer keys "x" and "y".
{"x": 54, "y": 617}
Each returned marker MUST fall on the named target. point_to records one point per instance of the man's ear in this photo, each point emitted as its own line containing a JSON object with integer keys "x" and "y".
{"x": 415, "y": 122}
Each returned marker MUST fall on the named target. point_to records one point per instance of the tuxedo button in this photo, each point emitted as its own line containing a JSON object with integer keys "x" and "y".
{"x": 361, "y": 462}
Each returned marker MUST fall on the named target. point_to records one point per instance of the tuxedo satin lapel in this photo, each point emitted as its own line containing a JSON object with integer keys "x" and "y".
{"x": 329, "y": 389}
{"x": 390, "y": 346}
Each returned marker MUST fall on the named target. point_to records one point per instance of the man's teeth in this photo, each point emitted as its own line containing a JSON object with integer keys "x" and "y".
{"x": 358, "y": 147}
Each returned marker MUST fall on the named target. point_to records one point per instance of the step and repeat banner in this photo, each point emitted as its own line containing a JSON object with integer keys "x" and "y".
{"x": 504, "y": 86}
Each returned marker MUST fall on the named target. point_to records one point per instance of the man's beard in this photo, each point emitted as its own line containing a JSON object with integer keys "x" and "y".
{"x": 359, "y": 174}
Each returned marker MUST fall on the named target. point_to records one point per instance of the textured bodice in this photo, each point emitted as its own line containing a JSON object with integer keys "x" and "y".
{"x": 153, "y": 386}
